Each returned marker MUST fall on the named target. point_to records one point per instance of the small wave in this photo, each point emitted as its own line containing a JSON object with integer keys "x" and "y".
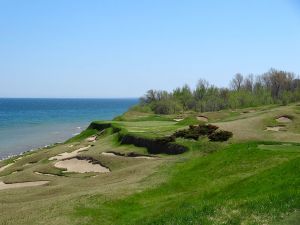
{"x": 75, "y": 134}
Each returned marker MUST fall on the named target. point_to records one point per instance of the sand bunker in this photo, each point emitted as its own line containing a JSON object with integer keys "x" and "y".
{"x": 81, "y": 166}
{"x": 283, "y": 119}
{"x": 67, "y": 155}
{"x": 4, "y": 186}
{"x": 278, "y": 128}
{"x": 178, "y": 119}
{"x": 91, "y": 139}
{"x": 202, "y": 118}
{"x": 130, "y": 155}
{"x": 4, "y": 167}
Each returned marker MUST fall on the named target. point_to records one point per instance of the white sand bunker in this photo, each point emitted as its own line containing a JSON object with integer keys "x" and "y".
{"x": 202, "y": 118}
{"x": 81, "y": 166}
{"x": 67, "y": 155}
{"x": 4, "y": 186}
{"x": 283, "y": 119}
{"x": 278, "y": 128}
{"x": 91, "y": 139}
{"x": 178, "y": 119}
{"x": 5, "y": 167}
{"x": 130, "y": 155}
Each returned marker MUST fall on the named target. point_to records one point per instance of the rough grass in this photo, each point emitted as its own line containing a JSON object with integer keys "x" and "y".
{"x": 253, "y": 125}
{"x": 239, "y": 184}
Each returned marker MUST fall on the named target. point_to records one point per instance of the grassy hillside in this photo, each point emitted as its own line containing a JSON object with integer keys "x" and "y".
{"x": 251, "y": 179}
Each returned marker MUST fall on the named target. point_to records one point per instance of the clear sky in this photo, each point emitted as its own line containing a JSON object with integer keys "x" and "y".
{"x": 109, "y": 48}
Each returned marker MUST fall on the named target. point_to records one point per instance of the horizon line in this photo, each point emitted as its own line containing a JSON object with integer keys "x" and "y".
{"x": 69, "y": 97}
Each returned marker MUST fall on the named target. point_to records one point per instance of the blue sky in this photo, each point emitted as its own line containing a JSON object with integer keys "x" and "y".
{"x": 73, "y": 48}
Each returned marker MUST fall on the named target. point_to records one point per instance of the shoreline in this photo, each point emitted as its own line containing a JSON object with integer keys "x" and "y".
{"x": 29, "y": 124}
{"x": 28, "y": 151}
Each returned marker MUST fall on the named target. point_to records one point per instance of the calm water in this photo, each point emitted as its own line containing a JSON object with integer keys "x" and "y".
{"x": 30, "y": 123}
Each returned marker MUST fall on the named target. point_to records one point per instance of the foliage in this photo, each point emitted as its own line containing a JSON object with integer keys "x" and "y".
{"x": 273, "y": 87}
{"x": 194, "y": 132}
{"x": 220, "y": 135}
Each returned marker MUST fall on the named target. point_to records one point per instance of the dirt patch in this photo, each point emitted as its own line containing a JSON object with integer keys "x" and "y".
{"x": 81, "y": 165}
{"x": 67, "y": 155}
{"x": 276, "y": 129}
{"x": 284, "y": 119}
{"x": 4, "y": 186}
{"x": 202, "y": 118}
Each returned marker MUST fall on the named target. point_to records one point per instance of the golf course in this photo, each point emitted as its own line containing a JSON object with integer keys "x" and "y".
{"x": 135, "y": 169}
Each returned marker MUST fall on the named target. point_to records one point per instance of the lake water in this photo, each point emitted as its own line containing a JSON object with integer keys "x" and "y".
{"x": 26, "y": 124}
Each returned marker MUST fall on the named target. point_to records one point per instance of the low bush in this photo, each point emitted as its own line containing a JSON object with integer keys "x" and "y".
{"x": 154, "y": 146}
{"x": 221, "y": 135}
{"x": 194, "y": 132}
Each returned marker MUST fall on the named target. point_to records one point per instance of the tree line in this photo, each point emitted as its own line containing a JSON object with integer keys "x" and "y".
{"x": 272, "y": 87}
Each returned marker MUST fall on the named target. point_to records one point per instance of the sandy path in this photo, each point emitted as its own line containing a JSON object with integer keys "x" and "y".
{"x": 67, "y": 155}
{"x": 4, "y": 186}
{"x": 4, "y": 167}
{"x": 81, "y": 166}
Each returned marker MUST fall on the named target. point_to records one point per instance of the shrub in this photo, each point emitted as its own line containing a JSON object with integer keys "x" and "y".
{"x": 154, "y": 146}
{"x": 221, "y": 135}
{"x": 194, "y": 132}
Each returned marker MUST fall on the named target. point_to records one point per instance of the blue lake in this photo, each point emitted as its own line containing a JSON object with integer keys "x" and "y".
{"x": 26, "y": 124}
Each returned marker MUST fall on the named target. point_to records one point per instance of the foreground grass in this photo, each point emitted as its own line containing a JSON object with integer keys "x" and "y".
{"x": 241, "y": 184}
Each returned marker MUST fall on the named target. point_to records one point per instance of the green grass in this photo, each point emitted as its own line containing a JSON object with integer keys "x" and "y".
{"x": 83, "y": 135}
{"x": 240, "y": 183}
